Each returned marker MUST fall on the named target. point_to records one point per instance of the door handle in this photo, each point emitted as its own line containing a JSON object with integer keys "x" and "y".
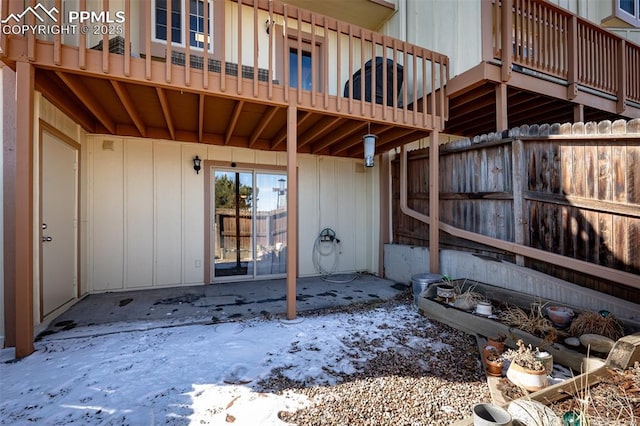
{"x": 44, "y": 226}
{"x": 46, "y": 239}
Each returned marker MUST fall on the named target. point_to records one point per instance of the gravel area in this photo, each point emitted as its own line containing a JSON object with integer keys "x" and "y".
{"x": 433, "y": 384}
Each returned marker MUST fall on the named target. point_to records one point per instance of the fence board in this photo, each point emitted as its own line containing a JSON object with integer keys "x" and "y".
{"x": 581, "y": 199}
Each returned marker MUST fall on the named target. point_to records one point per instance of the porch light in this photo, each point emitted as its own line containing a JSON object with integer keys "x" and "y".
{"x": 369, "y": 147}
{"x": 196, "y": 164}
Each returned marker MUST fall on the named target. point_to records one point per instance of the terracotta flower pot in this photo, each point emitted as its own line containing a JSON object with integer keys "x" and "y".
{"x": 494, "y": 368}
{"x": 531, "y": 380}
{"x": 499, "y": 345}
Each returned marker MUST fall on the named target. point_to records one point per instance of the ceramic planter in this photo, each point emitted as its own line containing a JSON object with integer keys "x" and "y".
{"x": 560, "y": 316}
{"x": 494, "y": 368}
{"x": 531, "y": 380}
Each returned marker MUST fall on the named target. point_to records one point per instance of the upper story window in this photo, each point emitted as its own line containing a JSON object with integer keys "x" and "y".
{"x": 180, "y": 19}
{"x": 306, "y": 77}
{"x": 628, "y": 11}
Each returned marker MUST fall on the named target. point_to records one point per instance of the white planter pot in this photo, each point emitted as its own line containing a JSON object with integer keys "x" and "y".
{"x": 531, "y": 380}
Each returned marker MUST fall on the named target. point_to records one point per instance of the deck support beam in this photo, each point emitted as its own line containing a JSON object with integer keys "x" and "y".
{"x": 292, "y": 209}
{"x": 434, "y": 202}
{"x": 23, "y": 209}
{"x": 502, "y": 120}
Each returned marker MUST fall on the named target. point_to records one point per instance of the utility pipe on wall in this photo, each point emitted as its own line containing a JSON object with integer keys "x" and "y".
{"x": 598, "y": 271}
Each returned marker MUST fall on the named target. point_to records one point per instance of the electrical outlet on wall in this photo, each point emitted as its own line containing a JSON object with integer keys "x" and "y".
{"x": 198, "y": 263}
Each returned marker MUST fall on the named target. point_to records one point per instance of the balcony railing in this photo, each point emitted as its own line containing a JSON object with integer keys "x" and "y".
{"x": 260, "y": 38}
{"x": 547, "y": 39}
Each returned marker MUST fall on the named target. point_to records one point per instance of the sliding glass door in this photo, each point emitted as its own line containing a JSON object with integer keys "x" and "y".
{"x": 249, "y": 218}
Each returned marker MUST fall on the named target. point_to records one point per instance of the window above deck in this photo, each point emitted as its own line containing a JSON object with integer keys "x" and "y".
{"x": 625, "y": 13}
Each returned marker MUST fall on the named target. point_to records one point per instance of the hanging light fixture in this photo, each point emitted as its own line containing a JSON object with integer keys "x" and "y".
{"x": 369, "y": 147}
{"x": 196, "y": 164}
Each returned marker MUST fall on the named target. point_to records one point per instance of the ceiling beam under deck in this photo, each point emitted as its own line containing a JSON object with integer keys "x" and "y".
{"x": 342, "y": 132}
{"x": 54, "y": 93}
{"x": 474, "y": 106}
{"x": 317, "y": 130}
{"x": 85, "y": 96}
{"x": 266, "y": 118}
{"x": 535, "y": 108}
{"x": 352, "y": 141}
{"x": 468, "y": 119}
{"x": 129, "y": 106}
{"x": 282, "y": 134}
{"x": 544, "y": 115}
{"x": 234, "y": 120}
{"x": 391, "y": 139}
{"x": 472, "y": 95}
{"x": 162, "y": 97}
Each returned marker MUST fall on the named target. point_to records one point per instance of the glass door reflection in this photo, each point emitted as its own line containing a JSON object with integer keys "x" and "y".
{"x": 271, "y": 224}
{"x": 233, "y": 223}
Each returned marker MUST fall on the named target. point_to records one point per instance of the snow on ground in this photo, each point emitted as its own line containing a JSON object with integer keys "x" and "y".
{"x": 194, "y": 374}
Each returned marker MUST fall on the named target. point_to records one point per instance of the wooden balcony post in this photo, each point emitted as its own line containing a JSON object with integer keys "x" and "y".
{"x": 507, "y": 39}
{"x": 23, "y": 208}
{"x": 434, "y": 202}
{"x": 292, "y": 209}
{"x": 502, "y": 121}
{"x": 486, "y": 25}
{"x": 622, "y": 76}
{"x": 572, "y": 66}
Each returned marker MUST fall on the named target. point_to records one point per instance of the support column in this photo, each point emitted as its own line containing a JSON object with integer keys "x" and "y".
{"x": 578, "y": 113}
{"x": 434, "y": 203}
{"x": 292, "y": 209}
{"x": 23, "y": 208}
{"x": 385, "y": 202}
{"x": 502, "y": 120}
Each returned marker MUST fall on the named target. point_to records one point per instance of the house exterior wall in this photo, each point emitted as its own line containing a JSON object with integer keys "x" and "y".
{"x": 146, "y": 210}
{"x": 430, "y": 24}
{"x": 596, "y": 11}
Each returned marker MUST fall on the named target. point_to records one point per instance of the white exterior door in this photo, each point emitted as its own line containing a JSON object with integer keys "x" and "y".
{"x": 59, "y": 246}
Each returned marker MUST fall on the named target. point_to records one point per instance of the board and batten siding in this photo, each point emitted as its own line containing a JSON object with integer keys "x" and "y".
{"x": 146, "y": 210}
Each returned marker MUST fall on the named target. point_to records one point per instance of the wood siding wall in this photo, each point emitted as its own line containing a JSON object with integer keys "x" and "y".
{"x": 577, "y": 197}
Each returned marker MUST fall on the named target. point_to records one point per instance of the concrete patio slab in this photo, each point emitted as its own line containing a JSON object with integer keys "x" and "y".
{"x": 214, "y": 303}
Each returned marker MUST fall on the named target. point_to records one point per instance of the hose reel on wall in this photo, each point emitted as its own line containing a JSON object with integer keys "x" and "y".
{"x": 327, "y": 245}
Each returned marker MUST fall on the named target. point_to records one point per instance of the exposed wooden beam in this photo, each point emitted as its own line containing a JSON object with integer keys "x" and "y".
{"x": 55, "y": 94}
{"x": 233, "y": 121}
{"x": 317, "y": 130}
{"x": 343, "y": 132}
{"x": 200, "y": 116}
{"x": 282, "y": 134}
{"x": 390, "y": 140}
{"x": 23, "y": 243}
{"x": 129, "y": 106}
{"x": 292, "y": 208}
{"x": 344, "y": 146}
{"x": 403, "y": 139}
{"x": 164, "y": 104}
{"x": 87, "y": 98}
{"x": 266, "y": 118}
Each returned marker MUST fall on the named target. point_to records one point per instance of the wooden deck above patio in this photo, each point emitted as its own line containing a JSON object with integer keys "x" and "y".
{"x": 119, "y": 91}
{"x": 557, "y": 68}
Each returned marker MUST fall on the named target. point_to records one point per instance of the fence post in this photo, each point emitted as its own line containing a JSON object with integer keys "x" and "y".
{"x": 520, "y": 221}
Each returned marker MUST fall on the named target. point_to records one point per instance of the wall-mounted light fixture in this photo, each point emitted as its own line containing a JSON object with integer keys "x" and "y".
{"x": 369, "y": 141}
{"x": 196, "y": 164}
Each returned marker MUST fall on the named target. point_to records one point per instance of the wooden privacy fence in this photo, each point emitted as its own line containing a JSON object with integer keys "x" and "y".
{"x": 576, "y": 194}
